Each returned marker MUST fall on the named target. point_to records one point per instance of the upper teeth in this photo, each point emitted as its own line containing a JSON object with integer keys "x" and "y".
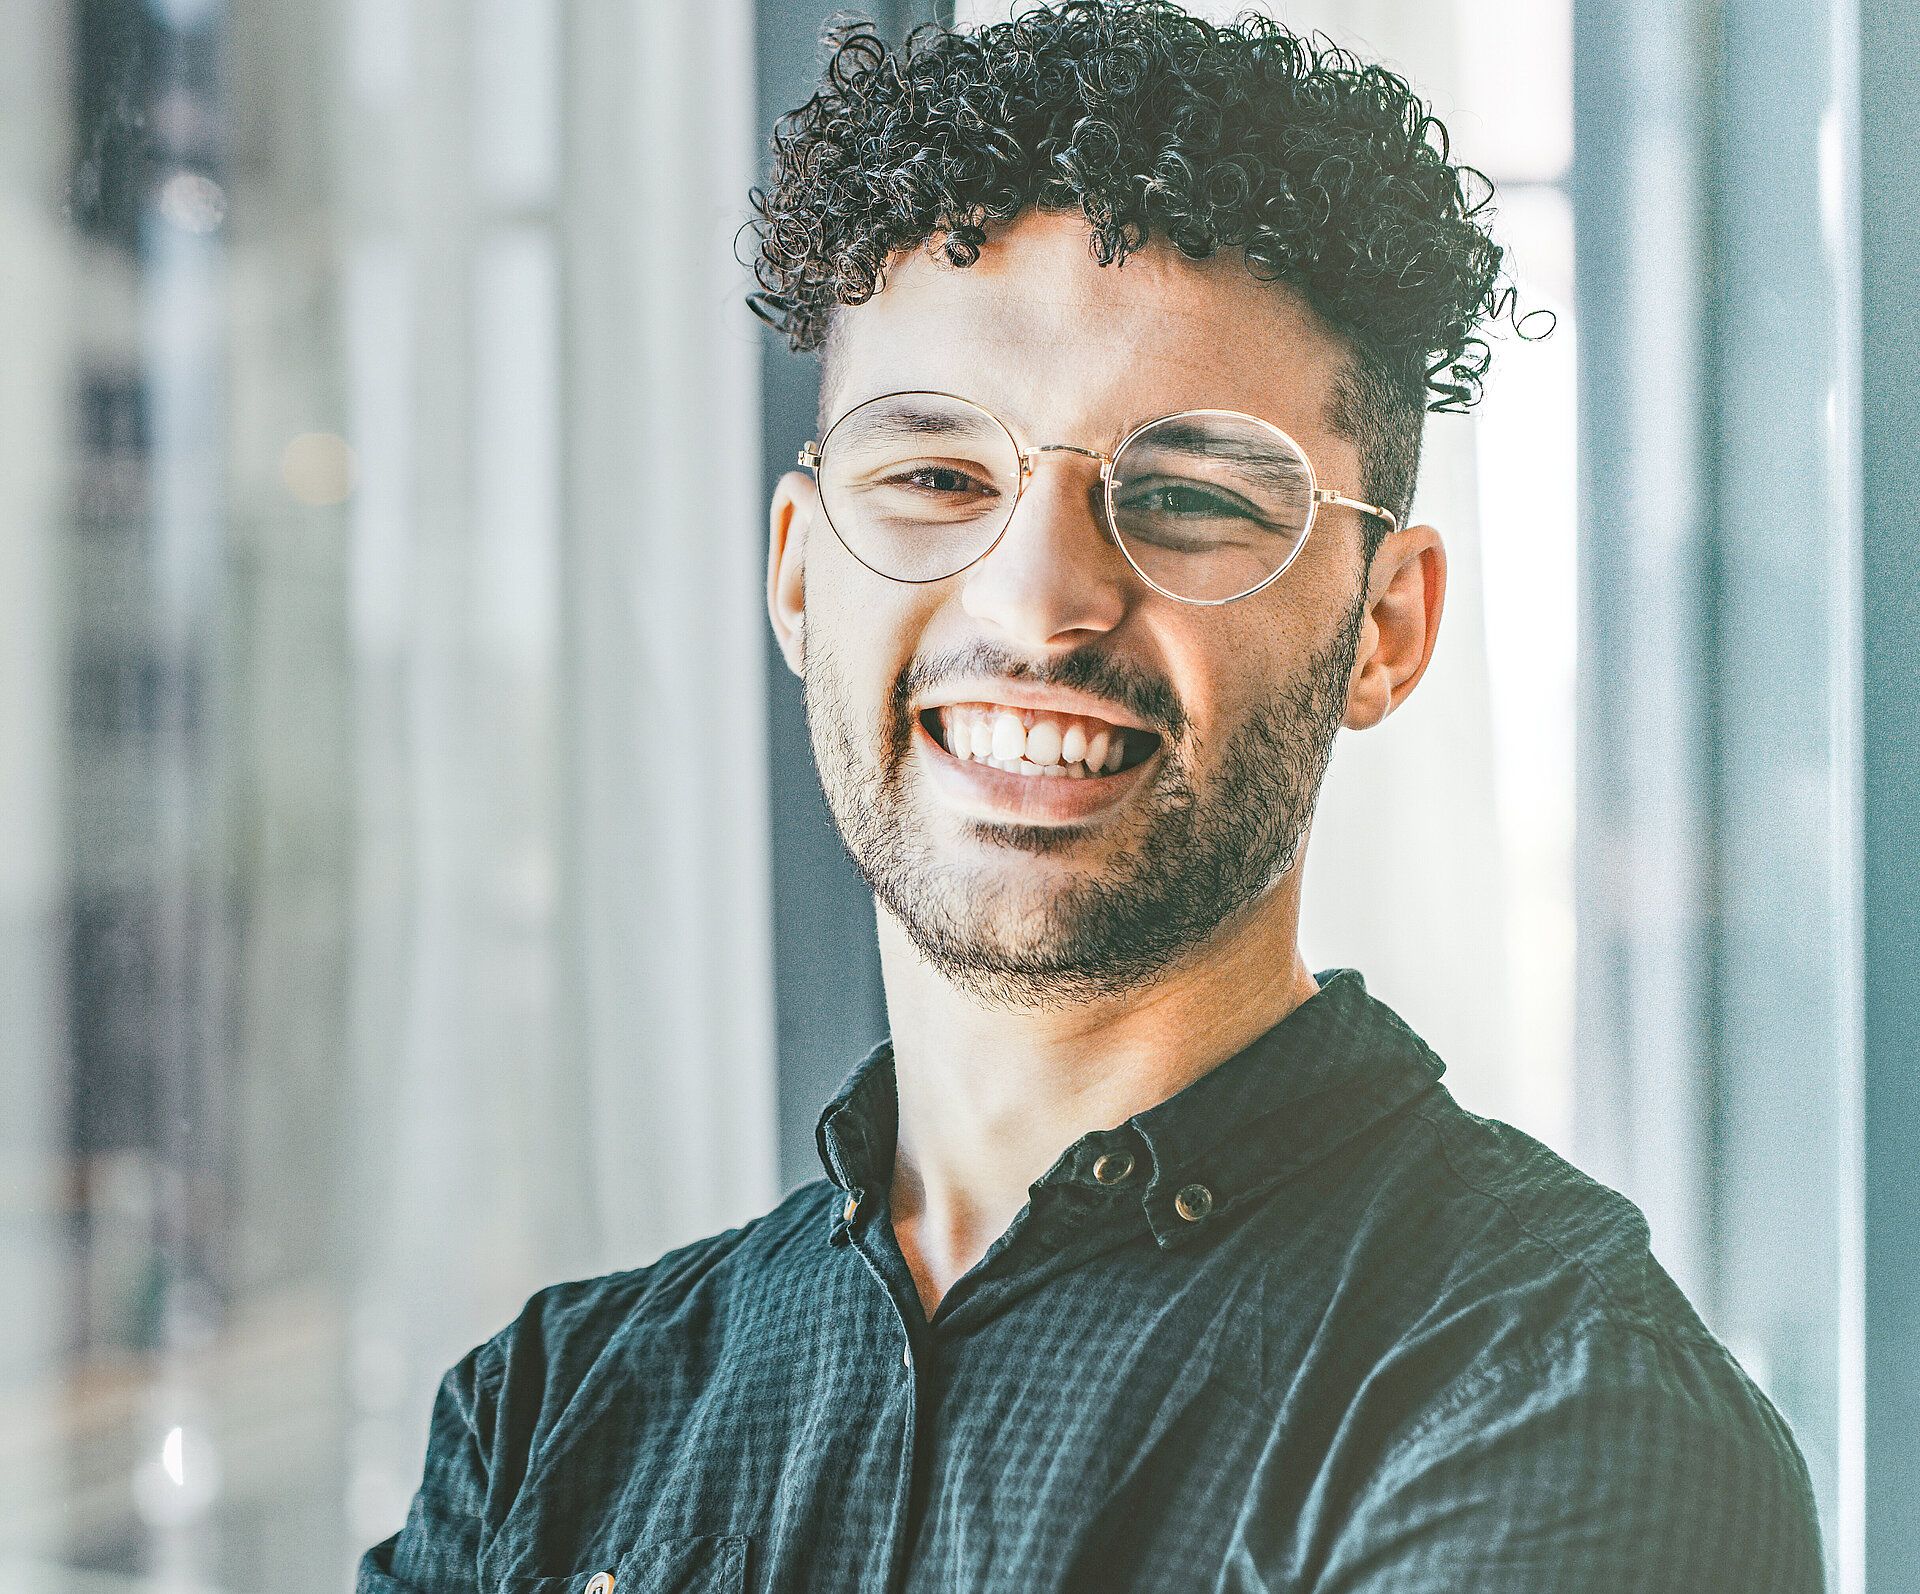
{"x": 1028, "y": 742}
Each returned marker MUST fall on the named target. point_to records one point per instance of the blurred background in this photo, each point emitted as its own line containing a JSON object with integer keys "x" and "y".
{"x": 414, "y": 887}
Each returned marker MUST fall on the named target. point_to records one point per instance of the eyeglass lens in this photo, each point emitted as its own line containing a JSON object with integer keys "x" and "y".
{"x": 1207, "y": 506}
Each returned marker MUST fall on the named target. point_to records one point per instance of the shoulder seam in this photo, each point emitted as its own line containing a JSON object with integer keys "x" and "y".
{"x": 1639, "y": 1322}
{"x": 1476, "y": 1382}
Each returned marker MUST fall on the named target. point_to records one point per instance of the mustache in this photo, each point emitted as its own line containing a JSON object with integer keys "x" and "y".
{"x": 1147, "y": 697}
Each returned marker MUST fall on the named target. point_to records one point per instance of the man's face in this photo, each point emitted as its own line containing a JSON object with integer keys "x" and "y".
{"x": 1215, "y": 722}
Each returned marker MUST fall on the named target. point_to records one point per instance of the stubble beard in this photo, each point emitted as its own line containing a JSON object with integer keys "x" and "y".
{"x": 1202, "y": 856}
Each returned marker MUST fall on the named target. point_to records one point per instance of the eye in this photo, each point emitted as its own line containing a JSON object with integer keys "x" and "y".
{"x": 1186, "y": 500}
{"x": 937, "y": 479}
{"x": 1168, "y": 501}
{"x": 1187, "y": 515}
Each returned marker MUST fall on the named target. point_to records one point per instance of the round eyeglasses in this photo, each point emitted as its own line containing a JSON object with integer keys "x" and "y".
{"x": 1207, "y": 505}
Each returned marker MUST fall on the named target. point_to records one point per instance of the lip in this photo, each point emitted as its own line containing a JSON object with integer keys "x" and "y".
{"x": 1041, "y": 699}
{"x": 983, "y": 792}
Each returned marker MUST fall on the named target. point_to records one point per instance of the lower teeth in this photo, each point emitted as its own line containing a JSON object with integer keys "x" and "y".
{"x": 1021, "y": 766}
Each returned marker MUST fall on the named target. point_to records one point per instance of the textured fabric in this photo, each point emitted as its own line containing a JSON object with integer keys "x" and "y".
{"x": 1395, "y": 1347}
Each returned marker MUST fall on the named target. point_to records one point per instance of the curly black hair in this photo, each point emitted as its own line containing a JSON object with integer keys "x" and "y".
{"x": 1324, "y": 171}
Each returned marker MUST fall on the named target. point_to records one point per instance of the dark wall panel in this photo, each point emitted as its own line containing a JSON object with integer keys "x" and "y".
{"x": 1890, "y": 618}
{"x": 828, "y": 1001}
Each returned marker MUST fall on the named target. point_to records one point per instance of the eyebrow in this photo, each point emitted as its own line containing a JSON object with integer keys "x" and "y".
{"x": 912, "y": 421}
{"x": 1279, "y": 468}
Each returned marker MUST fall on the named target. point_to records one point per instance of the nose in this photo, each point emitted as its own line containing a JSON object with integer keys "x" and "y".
{"x": 1055, "y": 578}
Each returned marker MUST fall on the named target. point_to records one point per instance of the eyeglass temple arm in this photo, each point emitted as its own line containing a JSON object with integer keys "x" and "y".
{"x": 1322, "y": 496}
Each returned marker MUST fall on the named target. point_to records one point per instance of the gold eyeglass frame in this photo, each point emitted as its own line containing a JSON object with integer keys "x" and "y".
{"x": 812, "y": 454}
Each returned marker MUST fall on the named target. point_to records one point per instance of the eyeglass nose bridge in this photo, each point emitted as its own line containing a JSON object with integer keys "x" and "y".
{"x": 1028, "y": 455}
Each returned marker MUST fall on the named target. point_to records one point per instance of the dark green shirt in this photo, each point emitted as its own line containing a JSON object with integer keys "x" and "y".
{"x": 1305, "y": 1326}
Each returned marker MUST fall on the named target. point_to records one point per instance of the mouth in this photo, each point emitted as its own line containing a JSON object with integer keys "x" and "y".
{"x": 1037, "y": 744}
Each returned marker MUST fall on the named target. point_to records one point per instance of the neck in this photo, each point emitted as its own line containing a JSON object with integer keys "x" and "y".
{"x": 991, "y": 1096}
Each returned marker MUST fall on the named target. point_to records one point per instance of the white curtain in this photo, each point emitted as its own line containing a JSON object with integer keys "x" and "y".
{"x": 562, "y": 1005}
{"x": 1405, "y": 878}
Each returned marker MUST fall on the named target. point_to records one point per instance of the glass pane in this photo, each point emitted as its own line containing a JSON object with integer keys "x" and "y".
{"x": 918, "y": 485}
{"x": 364, "y": 963}
{"x": 1210, "y": 506}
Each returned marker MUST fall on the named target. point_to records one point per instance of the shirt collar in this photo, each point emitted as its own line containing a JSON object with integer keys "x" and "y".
{"x": 856, "y": 1135}
{"x": 1336, "y": 1065}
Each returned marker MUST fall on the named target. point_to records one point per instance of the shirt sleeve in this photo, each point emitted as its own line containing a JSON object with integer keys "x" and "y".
{"x": 1637, "y": 1463}
{"x": 438, "y": 1550}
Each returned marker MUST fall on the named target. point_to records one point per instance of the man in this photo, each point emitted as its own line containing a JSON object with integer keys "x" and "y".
{"x": 1145, "y": 1259}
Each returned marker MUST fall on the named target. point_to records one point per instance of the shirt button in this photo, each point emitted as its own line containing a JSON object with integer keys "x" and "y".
{"x": 1114, "y": 1167}
{"x": 847, "y": 1213}
{"x": 601, "y": 1584}
{"x": 906, "y": 1358}
{"x": 1194, "y": 1202}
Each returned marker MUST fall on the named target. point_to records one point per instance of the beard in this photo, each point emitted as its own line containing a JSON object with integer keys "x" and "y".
{"x": 1202, "y": 851}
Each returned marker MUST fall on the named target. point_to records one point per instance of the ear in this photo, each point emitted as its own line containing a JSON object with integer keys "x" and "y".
{"x": 1406, "y": 588}
{"x": 794, "y": 503}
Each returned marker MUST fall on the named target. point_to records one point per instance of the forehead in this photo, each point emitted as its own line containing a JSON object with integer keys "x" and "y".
{"x": 1064, "y": 348}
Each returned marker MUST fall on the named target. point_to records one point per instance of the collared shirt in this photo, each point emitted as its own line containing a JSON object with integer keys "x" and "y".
{"x": 1307, "y": 1325}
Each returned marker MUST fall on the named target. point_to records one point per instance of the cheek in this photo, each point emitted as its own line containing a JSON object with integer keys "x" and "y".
{"x": 1331, "y": 570}
{"x": 866, "y": 626}
{"x": 1312, "y": 603}
{"x": 840, "y": 593}
{"x": 1233, "y": 665}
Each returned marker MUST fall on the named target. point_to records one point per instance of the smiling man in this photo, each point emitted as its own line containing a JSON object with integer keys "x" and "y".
{"x": 1145, "y": 1259}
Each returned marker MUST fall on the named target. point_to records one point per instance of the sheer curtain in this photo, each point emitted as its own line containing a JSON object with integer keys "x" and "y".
{"x": 562, "y": 1000}
{"x": 561, "y": 981}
